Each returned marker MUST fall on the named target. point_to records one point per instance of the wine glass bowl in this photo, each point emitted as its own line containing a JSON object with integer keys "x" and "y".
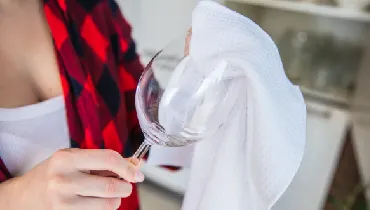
{"x": 148, "y": 97}
{"x": 178, "y": 102}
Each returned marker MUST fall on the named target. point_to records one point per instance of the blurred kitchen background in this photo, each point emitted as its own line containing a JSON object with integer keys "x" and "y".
{"x": 325, "y": 47}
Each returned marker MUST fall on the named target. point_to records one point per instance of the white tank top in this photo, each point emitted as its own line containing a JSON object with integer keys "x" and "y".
{"x": 31, "y": 134}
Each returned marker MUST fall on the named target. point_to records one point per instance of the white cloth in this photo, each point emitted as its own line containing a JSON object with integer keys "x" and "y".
{"x": 250, "y": 162}
{"x": 31, "y": 134}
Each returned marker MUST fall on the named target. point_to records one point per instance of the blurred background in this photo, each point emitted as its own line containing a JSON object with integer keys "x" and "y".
{"x": 325, "y": 47}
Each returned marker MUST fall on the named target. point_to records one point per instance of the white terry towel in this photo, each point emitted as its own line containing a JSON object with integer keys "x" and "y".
{"x": 249, "y": 162}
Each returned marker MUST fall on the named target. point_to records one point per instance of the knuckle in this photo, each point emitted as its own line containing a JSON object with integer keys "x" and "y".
{"x": 55, "y": 184}
{"x": 112, "y": 204}
{"x": 112, "y": 157}
{"x": 61, "y": 157}
{"x": 111, "y": 186}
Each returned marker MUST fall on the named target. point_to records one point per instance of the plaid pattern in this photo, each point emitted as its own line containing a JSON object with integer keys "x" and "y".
{"x": 99, "y": 71}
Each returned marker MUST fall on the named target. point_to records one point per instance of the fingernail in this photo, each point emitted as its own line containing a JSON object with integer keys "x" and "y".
{"x": 139, "y": 177}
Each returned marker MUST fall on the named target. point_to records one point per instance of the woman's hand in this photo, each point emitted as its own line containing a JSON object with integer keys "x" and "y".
{"x": 187, "y": 42}
{"x": 74, "y": 179}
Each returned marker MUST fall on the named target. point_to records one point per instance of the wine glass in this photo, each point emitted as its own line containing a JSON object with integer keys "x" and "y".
{"x": 178, "y": 104}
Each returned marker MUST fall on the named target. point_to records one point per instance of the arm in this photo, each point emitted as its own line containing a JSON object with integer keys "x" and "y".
{"x": 130, "y": 70}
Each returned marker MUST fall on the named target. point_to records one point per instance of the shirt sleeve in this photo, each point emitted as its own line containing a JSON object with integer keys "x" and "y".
{"x": 130, "y": 70}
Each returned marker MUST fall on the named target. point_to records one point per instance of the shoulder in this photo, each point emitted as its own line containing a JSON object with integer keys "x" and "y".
{"x": 105, "y": 9}
{"x": 90, "y": 24}
{"x": 102, "y": 12}
{"x": 104, "y": 16}
{"x": 88, "y": 5}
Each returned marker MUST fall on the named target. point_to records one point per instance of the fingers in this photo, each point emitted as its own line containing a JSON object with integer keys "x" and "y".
{"x": 98, "y": 160}
{"x": 98, "y": 186}
{"x": 187, "y": 42}
{"x": 108, "y": 160}
{"x": 134, "y": 161}
{"x": 96, "y": 203}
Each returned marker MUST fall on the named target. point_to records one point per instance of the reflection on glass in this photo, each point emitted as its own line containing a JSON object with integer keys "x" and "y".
{"x": 297, "y": 50}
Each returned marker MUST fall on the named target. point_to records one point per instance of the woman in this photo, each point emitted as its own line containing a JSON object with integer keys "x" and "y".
{"x": 71, "y": 88}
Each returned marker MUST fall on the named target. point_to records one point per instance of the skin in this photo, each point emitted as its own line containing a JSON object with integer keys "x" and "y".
{"x": 187, "y": 42}
{"x": 71, "y": 178}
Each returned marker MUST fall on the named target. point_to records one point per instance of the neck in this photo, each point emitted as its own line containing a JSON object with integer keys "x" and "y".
{"x": 6, "y": 5}
{"x": 14, "y": 5}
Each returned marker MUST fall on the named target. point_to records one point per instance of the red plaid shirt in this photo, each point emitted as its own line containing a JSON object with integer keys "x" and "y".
{"x": 99, "y": 70}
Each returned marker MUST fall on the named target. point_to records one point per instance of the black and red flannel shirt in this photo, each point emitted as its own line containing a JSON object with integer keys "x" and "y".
{"x": 99, "y": 70}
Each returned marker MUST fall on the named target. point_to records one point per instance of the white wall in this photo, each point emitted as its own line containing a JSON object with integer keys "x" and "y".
{"x": 158, "y": 22}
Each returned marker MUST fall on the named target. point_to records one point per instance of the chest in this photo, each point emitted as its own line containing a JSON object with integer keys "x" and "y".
{"x": 28, "y": 69}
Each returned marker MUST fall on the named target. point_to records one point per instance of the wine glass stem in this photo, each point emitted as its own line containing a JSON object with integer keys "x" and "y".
{"x": 143, "y": 149}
